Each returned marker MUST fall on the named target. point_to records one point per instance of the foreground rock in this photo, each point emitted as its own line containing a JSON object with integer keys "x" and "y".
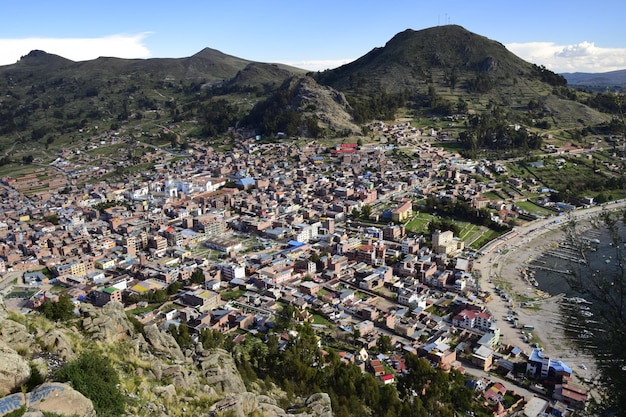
{"x": 56, "y": 398}
{"x": 108, "y": 324}
{"x": 14, "y": 370}
{"x": 60, "y": 399}
{"x": 220, "y": 372}
{"x": 247, "y": 403}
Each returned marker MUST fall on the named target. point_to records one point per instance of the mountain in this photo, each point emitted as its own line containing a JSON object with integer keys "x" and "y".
{"x": 600, "y": 80}
{"x": 49, "y": 102}
{"x": 446, "y": 55}
{"x": 456, "y": 64}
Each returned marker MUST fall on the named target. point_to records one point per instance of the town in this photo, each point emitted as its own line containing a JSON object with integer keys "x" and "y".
{"x": 230, "y": 238}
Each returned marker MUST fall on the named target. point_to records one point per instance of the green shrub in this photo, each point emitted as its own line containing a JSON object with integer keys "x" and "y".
{"x": 93, "y": 376}
{"x": 61, "y": 310}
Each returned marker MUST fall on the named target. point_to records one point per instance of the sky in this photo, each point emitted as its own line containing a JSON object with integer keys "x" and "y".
{"x": 563, "y": 35}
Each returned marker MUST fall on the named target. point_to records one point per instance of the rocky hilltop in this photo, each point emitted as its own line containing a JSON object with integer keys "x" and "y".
{"x": 157, "y": 377}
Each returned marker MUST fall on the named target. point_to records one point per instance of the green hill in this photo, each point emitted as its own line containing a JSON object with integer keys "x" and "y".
{"x": 456, "y": 64}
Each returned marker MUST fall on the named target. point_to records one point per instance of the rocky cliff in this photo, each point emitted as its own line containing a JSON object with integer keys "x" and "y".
{"x": 156, "y": 376}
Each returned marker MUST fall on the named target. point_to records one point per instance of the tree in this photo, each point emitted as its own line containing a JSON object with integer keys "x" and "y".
{"x": 197, "y": 276}
{"x": 366, "y": 211}
{"x": 61, "y": 310}
{"x": 181, "y": 335}
{"x": 384, "y": 344}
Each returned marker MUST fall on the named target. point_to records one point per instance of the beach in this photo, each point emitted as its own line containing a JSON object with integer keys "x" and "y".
{"x": 501, "y": 269}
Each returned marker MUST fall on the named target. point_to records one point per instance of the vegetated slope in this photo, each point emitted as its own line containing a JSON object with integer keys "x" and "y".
{"x": 47, "y": 100}
{"x": 445, "y": 55}
{"x": 455, "y": 64}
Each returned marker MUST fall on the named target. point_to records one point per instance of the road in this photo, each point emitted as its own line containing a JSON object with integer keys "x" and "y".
{"x": 6, "y": 281}
{"x": 474, "y": 371}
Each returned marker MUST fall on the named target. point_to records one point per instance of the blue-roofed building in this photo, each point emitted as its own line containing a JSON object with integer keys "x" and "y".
{"x": 245, "y": 182}
{"x": 540, "y": 365}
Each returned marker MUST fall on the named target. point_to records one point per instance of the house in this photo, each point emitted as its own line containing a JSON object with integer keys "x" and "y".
{"x": 439, "y": 353}
{"x": 495, "y": 393}
{"x": 473, "y": 320}
{"x": 201, "y": 299}
{"x": 446, "y": 243}
{"x": 402, "y": 212}
{"x": 483, "y": 358}
{"x": 540, "y": 365}
{"x": 387, "y": 379}
{"x": 571, "y": 394}
{"x": 364, "y": 327}
{"x": 376, "y": 367}
{"x": 346, "y": 295}
{"x": 106, "y": 295}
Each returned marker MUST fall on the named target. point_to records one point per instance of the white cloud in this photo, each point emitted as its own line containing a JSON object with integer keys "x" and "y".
{"x": 581, "y": 57}
{"x": 76, "y": 49}
{"x": 319, "y": 65}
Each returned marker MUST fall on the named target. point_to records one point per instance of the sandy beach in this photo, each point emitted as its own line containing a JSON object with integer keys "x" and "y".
{"x": 502, "y": 268}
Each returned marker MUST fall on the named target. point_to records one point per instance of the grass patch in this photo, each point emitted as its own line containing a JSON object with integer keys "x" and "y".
{"x": 492, "y": 196}
{"x": 139, "y": 311}
{"x": 419, "y": 223}
{"x": 532, "y": 208}
{"x": 317, "y": 319}
{"x": 485, "y": 238}
{"x": 232, "y": 295}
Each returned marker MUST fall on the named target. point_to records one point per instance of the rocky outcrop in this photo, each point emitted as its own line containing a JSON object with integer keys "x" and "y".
{"x": 247, "y": 403}
{"x": 16, "y": 335}
{"x": 58, "y": 344}
{"x": 14, "y": 370}
{"x": 3, "y": 310}
{"x": 167, "y": 376}
{"x": 320, "y": 405}
{"x": 220, "y": 371}
{"x": 108, "y": 324}
{"x": 162, "y": 344}
{"x": 327, "y": 105}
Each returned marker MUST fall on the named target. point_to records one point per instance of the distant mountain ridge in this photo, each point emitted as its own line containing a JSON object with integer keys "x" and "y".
{"x": 600, "y": 79}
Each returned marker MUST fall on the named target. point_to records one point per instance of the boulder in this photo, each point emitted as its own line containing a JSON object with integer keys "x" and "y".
{"x": 12, "y": 403}
{"x": 16, "y": 335}
{"x": 168, "y": 392}
{"x": 163, "y": 344}
{"x": 108, "y": 324}
{"x": 320, "y": 405}
{"x": 221, "y": 373}
{"x": 14, "y": 370}
{"x": 247, "y": 403}
{"x": 57, "y": 343}
{"x": 60, "y": 399}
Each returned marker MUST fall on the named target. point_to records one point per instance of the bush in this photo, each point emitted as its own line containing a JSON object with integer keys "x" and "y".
{"x": 93, "y": 376}
{"x": 61, "y": 310}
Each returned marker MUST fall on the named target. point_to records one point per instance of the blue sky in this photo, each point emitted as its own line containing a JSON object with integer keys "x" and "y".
{"x": 565, "y": 36}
